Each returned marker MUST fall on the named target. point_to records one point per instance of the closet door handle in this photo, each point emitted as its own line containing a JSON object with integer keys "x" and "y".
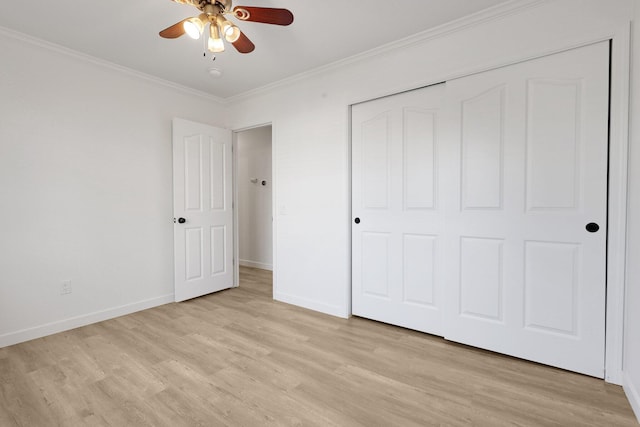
{"x": 592, "y": 227}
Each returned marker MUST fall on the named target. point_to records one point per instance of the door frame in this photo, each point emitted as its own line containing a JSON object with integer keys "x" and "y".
{"x": 619, "y": 77}
{"x": 236, "y": 219}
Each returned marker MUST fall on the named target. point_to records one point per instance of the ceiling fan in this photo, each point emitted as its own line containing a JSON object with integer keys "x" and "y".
{"x": 214, "y": 13}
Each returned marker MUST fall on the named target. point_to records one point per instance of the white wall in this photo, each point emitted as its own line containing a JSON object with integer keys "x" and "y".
{"x": 310, "y": 118}
{"x": 632, "y": 324}
{"x": 85, "y": 189}
{"x": 254, "y": 199}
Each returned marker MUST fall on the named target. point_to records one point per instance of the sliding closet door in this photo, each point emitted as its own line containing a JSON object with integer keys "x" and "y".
{"x": 526, "y": 156}
{"x": 397, "y": 211}
{"x": 485, "y": 220}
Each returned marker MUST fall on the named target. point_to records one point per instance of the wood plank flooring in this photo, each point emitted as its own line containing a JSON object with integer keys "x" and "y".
{"x": 238, "y": 358}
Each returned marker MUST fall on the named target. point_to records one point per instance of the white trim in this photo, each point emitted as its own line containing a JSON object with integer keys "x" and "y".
{"x": 256, "y": 264}
{"x": 83, "y": 320}
{"x": 333, "y": 310}
{"x": 499, "y": 11}
{"x": 633, "y": 395}
{"x": 274, "y": 204}
{"x": 617, "y": 215}
{"x": 349, "y": 193}
{"x": 236, "y": 215}
{"x": 106, "y": 64}
{"x": 242, "y": 129}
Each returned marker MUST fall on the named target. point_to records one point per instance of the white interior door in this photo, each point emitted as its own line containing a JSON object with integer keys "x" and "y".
{"x": 202, "y": 203}
{"x": 527, "y": 164}
{"x": 396, "y": 244}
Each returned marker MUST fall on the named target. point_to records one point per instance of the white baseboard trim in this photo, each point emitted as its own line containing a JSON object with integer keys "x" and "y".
{"x": 633, "y": 394}
{"x": 255, "y": 264}
{"x": 311, "y": 304}
{"x": 75, "y": 322}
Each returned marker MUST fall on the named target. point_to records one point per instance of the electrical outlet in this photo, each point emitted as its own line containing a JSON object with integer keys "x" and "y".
{"x": 66, "y": 287}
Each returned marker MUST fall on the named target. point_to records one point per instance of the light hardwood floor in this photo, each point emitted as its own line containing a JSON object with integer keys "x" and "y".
{"x": 238, "y": 358}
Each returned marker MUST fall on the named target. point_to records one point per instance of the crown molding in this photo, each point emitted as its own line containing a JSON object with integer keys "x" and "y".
{"x": 493, "y": 13}
{"x": 16, "y": 35}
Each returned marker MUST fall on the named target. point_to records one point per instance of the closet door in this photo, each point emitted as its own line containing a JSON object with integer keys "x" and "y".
{"x": 397, "y": 210}
{"x": 526, "y": 157}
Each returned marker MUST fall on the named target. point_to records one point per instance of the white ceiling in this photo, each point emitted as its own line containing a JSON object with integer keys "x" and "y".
{"x": 125, "y": 32}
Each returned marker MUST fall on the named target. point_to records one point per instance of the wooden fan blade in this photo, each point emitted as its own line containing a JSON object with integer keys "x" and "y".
{"x": 174, "y": 31}
{"x": 266, "y": 15}
{"x": 243, "y": 44}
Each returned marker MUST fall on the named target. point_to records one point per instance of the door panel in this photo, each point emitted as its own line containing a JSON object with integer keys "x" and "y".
{"x": 375, "y": 265}
{"x": 376, "y": 137}
{"x": 553, "y": 123}
{"x": 419, "y": 158}
{"x": 419, "y": 269}
{"x": 193, "y": 253}
{"x": 525, "y": 277}
{"x": 202, "y": 196}
{"x": 396, "y": 251}
{"x": 193, "y": 173}
{"x": 482, "y": 150}
{"x": 550, "y": 284}
{"x": 218, "y": 160}
{"x": 481, "y": 278}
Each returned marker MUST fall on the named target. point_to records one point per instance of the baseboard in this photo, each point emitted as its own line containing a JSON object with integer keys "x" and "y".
{"x": 78, "y": 321}
{"x": 633, "y": 394}
{"x": 255, "y": 264}
{"x": 311, "y": 304}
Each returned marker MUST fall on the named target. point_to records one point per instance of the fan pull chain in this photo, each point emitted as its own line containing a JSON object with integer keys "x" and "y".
{"x": 204, "y": 47}
{"x": 204, "y": 55}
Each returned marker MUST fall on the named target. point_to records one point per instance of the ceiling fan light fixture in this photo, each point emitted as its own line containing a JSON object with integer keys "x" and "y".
{"x": 215, "y": 43}
{"x": 193, "y": 27}
{"x": 230, "y": 31}
{"x": 213, "y": 13}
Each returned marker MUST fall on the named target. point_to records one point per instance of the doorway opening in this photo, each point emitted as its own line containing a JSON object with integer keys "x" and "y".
{"x": 254, "y": 190}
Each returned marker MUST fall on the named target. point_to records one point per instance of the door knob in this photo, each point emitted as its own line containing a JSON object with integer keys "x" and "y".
{"x": 592, "y": 227}
{"x": 182, "y": 220}
{"x": 357, "y": 220}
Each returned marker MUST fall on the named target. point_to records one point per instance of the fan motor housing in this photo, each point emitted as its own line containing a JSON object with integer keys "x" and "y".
{"x": 226, "y": 4}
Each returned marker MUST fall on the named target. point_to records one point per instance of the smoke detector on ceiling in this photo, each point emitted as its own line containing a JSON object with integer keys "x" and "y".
{"x": 215, "y": 72}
